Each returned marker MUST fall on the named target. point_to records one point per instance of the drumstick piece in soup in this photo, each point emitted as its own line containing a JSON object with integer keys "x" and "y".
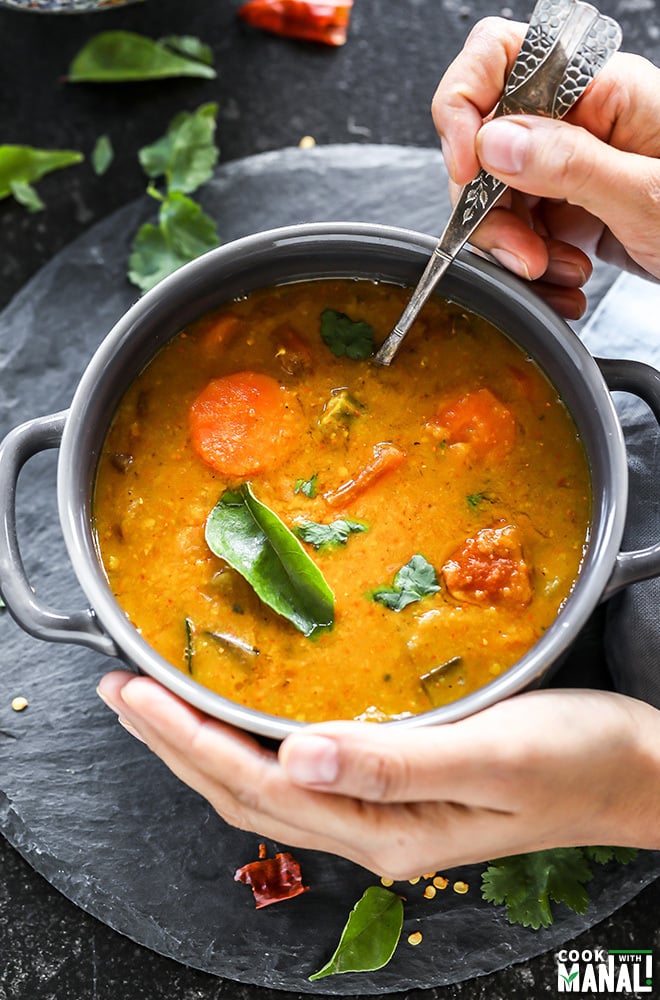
{"x": 433, "y": 512}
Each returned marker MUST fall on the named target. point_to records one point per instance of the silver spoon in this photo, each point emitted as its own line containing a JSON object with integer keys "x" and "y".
{"x": 567, "y": 42}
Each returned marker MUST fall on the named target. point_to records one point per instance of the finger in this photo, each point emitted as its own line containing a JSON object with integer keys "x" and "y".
{"x": 470, "y": 89}
{"x": 552, "y": 159}
{"x": 622, "y": 105}
{"x": 570, "y": 303}
{"x": 240, "y": 778}
{"x": 375, "y": 764}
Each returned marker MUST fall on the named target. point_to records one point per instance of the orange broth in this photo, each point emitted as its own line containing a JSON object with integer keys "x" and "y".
{"x": 460, "y": 453}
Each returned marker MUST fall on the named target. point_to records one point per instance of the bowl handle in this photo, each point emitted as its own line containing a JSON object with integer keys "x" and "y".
{"x": 641, "y": 380}
{"x": 33, "y": 615}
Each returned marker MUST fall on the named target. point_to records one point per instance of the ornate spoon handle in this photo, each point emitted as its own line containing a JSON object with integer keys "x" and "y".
{"x": 567, "y": 42}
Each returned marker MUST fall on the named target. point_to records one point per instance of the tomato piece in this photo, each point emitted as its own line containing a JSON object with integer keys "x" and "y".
{"x": 387, "y": 458}
{"x": 490, "y": 568}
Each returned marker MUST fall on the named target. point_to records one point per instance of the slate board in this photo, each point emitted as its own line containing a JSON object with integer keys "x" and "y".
{"x": 89, "y": 807}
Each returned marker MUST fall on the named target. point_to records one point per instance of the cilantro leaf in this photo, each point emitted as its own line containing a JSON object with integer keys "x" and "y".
{"x": 183, "y": 232}
{"x": 20, "y": 166}
{"x": 337, "y": 533}
{"x": 344, "y": 336}
{"x": 102, "y": 155}
{"x": 121, "y": 56}
{"x": 413, "y": 581}
{"x": 604, "y": 854}
{"x": 186, "y": 155}
{"x": 307, "y": 486}
{"x": 527, "y": 883}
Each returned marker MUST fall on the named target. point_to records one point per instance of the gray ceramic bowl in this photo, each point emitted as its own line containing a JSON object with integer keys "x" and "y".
{"x": 291, "y": 254}
{"x": 63, "y": 6}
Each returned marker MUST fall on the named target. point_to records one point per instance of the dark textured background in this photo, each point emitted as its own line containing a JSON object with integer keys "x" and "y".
{"x": 377, "y": 89}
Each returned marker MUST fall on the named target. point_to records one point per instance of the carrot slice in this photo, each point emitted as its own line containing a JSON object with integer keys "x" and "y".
{"x": 387, "y": 457}
{"x": 479, "y": 420}
{"x": 242, "y": 423}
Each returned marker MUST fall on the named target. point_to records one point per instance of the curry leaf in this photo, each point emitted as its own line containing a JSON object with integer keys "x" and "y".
{"x": 413, "y": 581}
{"x": 258, "y": 545}
{"x": 344, "y": 336}
{"x": 370, "y": 936}
{"x": 26, "y": 196}
{"x": 186, "y": 155}
{"x": 125, "y": 56}
{"x": 183, "y": 232}
{"x": 20, "y": 166}
{"x": 102, "y": 154}
{"x": 336, "y": 533}
{"x": 188, "y": 45}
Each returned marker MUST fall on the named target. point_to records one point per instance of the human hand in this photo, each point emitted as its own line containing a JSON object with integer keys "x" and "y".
{"x": 544, "y": 769}
{"x": 589, "y": 183}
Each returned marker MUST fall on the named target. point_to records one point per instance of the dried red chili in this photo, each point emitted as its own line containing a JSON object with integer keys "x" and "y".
{"x": 315, "y": 22}
{"x": 272, "y": 879}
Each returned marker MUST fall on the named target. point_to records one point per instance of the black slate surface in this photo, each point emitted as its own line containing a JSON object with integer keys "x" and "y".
{"x": 89, "y": 807}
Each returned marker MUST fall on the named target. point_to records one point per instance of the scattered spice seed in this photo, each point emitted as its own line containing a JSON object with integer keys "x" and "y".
{"x": 387, "y": 882}
{"x": 415, "y": 938}
{"x": 307, "y": 142}
{"x": 414, "y": 881}
{"x": 429, "y": 892}
{"x": 460, "y": 887}
{"x": 19, "y": 704}
{"x": 440, "y": 882}
{"x": 429, "y": 875}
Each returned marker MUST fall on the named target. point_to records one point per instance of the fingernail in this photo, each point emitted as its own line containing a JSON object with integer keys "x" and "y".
{"x": 512, "y": 262}
{"x": 313, "y": 760}
{"x": 567, "y": 305}
{"x": 130, "y": 729}
{"x": 106, "y": 701}
{"x": 446, "y": 155}
{"x": 565, "y": 272}
{"x": 502, "y": 146}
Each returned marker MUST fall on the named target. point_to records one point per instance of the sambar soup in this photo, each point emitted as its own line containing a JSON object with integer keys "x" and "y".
{"x": 315, "y": 536}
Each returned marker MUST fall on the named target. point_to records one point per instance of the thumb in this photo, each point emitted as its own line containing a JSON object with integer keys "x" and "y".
{"x": 369, "y": 762}
{"x": 553, "y": 159}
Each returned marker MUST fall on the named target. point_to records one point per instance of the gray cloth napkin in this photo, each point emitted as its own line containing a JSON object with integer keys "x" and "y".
{"x": 625, "y": 325}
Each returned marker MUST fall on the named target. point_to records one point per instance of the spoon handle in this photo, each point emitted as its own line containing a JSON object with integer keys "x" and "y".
{"x": 566, "y": 44}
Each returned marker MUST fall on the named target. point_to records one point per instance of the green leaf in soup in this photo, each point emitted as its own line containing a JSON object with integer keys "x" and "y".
{"x": 319, "y": 535}
{"x": 21, "y": 166}
{"x": 344, "y": 336}
{"x": 370, "y": 936}
{"x": 415, "y": 580}
{"x": 307, "y": 486}
{"x": 102, "y": 155}
{"x": 258, "y": 545}
{"x": 186, "y": 155}
{"x": 125, "y": 56}
{"x": 183, "y": 233}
